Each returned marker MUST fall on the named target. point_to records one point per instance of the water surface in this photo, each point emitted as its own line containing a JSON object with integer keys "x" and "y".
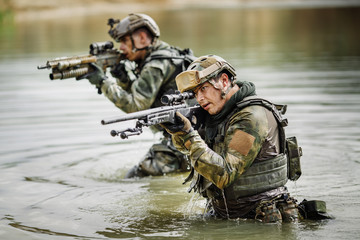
{"x": 61, "y": 173}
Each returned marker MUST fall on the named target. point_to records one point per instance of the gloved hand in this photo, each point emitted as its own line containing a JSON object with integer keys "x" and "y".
{"x": 181, "y": 127}
{"x": 95, "y": 77}
{"x": 119, "y": 72}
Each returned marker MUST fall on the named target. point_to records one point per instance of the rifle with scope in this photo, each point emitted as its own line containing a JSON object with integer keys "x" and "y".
{"x": 166, "y": 114}
{"x": 101, "y": 53}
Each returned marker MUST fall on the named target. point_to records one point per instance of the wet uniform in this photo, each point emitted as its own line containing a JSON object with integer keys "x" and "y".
{"x": 241, "y": 167}
{"x": 142, "y": 89}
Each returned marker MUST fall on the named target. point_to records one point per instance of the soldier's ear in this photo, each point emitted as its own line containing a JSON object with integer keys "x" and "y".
{"x": 144, "y": 38}
{"x": 224, "y": 80}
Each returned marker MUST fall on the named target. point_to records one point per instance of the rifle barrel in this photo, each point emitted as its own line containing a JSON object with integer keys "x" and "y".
{"x": 142, "y": 114}
{"x": 43, "y": 66}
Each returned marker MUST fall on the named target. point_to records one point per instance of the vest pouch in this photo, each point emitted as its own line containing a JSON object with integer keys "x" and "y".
{"x": 294, "y": 152}
{"x": 314, "y": 210}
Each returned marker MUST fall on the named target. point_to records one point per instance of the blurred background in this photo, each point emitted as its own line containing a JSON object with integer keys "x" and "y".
{"x": 61, "y": 173}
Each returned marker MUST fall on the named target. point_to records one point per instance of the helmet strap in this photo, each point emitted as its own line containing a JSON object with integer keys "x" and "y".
{"x": 223, "y": 93}
{"x": 135, "y": 49}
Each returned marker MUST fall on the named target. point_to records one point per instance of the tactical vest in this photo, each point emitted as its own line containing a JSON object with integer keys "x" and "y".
{"x": 180, "y": 58}
{"x": 262, "y": 175}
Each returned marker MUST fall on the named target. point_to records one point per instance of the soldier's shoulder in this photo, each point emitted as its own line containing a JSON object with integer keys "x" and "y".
{"x": 160, "y": 57}
{"x": 252, "y": 113}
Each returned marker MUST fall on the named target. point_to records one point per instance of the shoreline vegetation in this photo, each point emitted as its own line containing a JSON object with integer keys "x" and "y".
{"x": 24, "y": 10}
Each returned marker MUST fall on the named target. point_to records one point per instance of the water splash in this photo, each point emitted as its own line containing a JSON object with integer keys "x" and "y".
{"x": 190, "y": 206}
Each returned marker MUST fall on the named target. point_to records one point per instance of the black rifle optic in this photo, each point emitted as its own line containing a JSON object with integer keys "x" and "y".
{"x": 164, "y": 114}
{"x": 173, "y": 99}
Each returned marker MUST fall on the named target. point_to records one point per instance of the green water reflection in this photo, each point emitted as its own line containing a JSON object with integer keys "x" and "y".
{"x": 253, "y": 36}
{"x": 63, "y": 168}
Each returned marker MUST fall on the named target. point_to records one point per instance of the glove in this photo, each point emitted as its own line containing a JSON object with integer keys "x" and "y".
{"x": 96, "y": 77}
{"x": 182, "y": 125}
{"x": 119, "y": 72}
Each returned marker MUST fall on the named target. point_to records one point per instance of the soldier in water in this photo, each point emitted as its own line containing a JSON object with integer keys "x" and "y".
{"x": 240, "y": 165}
{"x": 148, "y": 72}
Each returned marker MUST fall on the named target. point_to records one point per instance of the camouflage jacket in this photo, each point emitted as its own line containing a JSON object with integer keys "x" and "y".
{"x": 243, "y": 137}
{"x": 154, "y": 77}
{"x": 224, "y": 162}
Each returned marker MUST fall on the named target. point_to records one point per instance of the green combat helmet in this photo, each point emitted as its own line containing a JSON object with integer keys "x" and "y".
{"x": 131, "y": 23}
{"x": 203, "y": 69}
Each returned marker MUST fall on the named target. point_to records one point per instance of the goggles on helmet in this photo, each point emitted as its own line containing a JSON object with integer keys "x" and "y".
{"x": 190, "y": 79}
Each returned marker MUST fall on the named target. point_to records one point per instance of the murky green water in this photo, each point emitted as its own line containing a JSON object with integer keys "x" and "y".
{"x": 61, "y": 173}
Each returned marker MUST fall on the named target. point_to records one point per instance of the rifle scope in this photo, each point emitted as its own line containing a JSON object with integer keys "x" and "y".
{"x": 98, "y": 47}
{"x": 177, "y": 98}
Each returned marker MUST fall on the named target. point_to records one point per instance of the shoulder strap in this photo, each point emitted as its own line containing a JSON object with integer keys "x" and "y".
{"x": 186, "y": 55}
{"x": 277, "y": 109}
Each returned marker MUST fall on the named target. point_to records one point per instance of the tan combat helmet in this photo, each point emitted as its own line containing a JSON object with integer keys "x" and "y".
{"x": 203, "y": 69}
{"x": 131, "y": 23}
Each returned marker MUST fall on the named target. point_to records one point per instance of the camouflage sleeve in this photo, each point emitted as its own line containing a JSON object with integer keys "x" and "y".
{"x": 243, "y": 140}
{"x": 142, "y": 93}
{"x": 178, "y": 142}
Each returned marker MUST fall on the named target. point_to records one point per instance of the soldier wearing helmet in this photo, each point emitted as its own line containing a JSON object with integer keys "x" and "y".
{"x": 137, "y": 34}
{"x": 240, "y": 165}
{"x": 147, "y": 73}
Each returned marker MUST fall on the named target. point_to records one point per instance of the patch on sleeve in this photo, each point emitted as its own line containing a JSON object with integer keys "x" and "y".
{"x": 242, "y": 142}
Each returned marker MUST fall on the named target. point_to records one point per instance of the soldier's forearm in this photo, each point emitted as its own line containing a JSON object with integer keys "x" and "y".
{"x": 124, "y": 100}
{"x": 207, "y": 162}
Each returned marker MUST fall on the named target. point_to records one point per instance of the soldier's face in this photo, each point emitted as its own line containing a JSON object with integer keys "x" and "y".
{"x": 210, "y": 98}
{"x": 126, "y": 47}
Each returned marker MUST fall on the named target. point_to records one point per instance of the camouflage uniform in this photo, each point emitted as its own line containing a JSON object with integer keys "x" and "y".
{"x": 141, "y": 83}
{"x": 154, "y": 78}
{"x": 238, "y": 183}
{"x": 240, "y": 164}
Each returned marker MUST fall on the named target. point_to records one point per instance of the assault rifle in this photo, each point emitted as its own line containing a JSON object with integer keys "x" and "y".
{"x": 101, "y": 53}
{"x": 165, "y": 114}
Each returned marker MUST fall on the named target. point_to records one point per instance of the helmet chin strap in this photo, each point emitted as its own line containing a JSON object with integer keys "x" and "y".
{"x": 135, "y": 49}
{"x": 223, "y": 93}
